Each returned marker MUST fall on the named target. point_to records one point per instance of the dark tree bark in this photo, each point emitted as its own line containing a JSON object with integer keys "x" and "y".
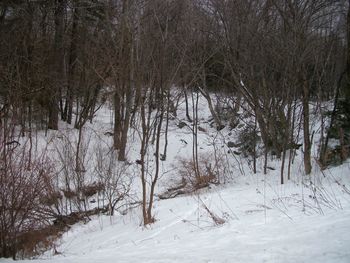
{"x": 73, "y": 55}
{"x": 347, "y": 91}
{"x": 306, "y": 127}
{"x": 123, "y": 96}
{"x": 60, "y": 7}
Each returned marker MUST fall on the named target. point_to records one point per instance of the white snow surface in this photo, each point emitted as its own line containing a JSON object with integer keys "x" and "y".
{"x": 305, "y": 220}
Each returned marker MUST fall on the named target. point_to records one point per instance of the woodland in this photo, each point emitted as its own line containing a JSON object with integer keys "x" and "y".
{"x": 266, "y": 71}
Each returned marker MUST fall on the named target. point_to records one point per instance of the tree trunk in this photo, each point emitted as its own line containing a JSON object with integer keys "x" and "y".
{"x": 59, "y": 67}
{"x": 306, "y": 127}
{"x": 186, "y": 103}
{"x": 347, "y": 91}
{"x": 68, "y": 108}
{"x": 123, "y": 90}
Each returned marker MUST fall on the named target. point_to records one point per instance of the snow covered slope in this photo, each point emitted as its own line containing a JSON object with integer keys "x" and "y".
{"x": 286, "y": 225}
{"x": 250, "y": 218}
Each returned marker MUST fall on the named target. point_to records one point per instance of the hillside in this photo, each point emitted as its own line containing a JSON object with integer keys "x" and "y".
{"x": 246, "y": 217}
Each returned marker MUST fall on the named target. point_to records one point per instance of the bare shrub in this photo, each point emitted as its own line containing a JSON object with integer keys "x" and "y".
{"x": 208, "y": 172}
{"x": 211, "y": 169}
{"x": 69, "y": 194}
{"x": 73, "y": 166}
{"x": 22, "y": 195}
{"x": 37, "y": 241}
{"x": 53, "y": 199}
{"x": 92, "y": 189}
{"x": 114, "y": 182}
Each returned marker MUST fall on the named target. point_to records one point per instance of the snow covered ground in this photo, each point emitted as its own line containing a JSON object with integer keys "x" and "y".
{"x": 286, "y": 225}
{"x": 250, "y": 218}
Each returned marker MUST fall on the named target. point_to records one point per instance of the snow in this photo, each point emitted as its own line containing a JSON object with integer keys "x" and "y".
{"x": 305, "y": 220}
{"x": 257, "y": 229}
